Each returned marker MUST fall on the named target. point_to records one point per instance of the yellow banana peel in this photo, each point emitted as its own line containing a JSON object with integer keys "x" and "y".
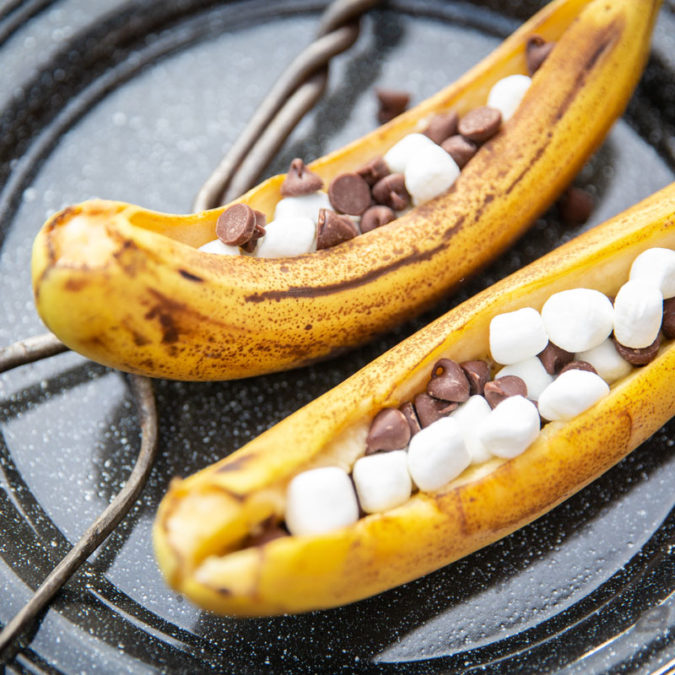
{"x": 128, "y": 288}
{"x": 205, "y": 522}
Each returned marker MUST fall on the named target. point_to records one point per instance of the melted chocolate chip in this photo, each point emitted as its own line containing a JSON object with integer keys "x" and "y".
{"x": 375, "y": 217}
{"x": 478, "y": 374}
{"x": 350, "y": 194}
{"x": 391, "y": 192}
{"x": 639, "y": 357}
{"x": 408, "y": 409}
{"x": 430, "y": 409}
{"x": 374, "y": 171}
{"x": 578, "y": 365}
{"x": 442, "y": 126}
{"x": 300, "y": 180}
{"x": 536, "y": 51}
{"x": 448, "y": 382}
{"x": 503, "y": 387}
{"x": 668, "y": 325}
{"x": 554, "y": 358}
{"x": 389, "y": 430}
{"x": 460, "y": 149}
{"x": 391, "y": 103}
{"x": 480, "y": 124}
{"x": 333, "y": 229}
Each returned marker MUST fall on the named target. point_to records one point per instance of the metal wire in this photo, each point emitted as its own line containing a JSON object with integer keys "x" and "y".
{"x": 30, "y": 350}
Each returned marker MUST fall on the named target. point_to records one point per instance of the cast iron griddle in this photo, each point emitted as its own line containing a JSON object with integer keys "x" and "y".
{"x": 138, "y": 101}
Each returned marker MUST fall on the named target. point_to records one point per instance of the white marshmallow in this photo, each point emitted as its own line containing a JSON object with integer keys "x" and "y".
{"x": 606, "y": 360}
{"x": 304, "y": 206}
{"x": 470, "y": 416}
{"x": 638, "y": 310}
{"x": 437, "y": 454}
{"x": 532, "y": 372}
{"x": 657, "y": 267}
{"x": 507, "y": 94}
{"x": 320, "y": 500}
{"x": 398, "y": 156}
{"x": 216, "y": 246}
{"x": 570, "y": 394}
{"x": 429, "y": 173}
{"x": 516, "y": 336}
{"x": 382, "y": 480}
{"x": 287, "y": 237}
{"x": 578, "y": 319}
{"x": 511, "y": 427}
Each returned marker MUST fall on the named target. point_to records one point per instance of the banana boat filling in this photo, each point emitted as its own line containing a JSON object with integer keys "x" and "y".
{"x": 548, "y": 365}
{"x": 418, "y": 168}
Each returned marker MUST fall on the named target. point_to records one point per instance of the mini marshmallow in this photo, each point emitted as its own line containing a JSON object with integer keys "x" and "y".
{"x": 570, "y": 394}
{"x": 507, "y": 94}
{"x": 429, "y": 173}
{"x": 606, "y": 360}
{"x": 516, "y": 336}
{"x": 287, "y": 237}
{"x": 216, "y": 246}
{"x": 401, "y": 153}
{"x": 656, "y": 266}
{"x": 532, "y": 372}
{"x": 320, "y": 500}
{"x": 578, "y": 319}
{"x": 470, "y": 416}
{"x": 511, "y": 427}
{"x": 382, "y": 480}
{"x": 638, "y": 310}
{"x": 437, "y": 454}
{"x": 304, "y": 206}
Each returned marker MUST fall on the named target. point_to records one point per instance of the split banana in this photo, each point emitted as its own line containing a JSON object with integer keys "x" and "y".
{"x": 203, "y": 529}
{"x": 128, "y": 288}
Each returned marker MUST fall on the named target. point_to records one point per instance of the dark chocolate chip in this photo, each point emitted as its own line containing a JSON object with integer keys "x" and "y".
{"x": 578, "y": 365}
{"x": 430, "y": 409}
{"x": 389, "y": 430}
{"x": 349, "y": 193}
{"x": 236, "y": 225}
{"x": 408, "y": 409}
{"x": 575, "y": 206}
{"x": 639, "y": 357}
{"x": 478, "y": 374}
{"x": 442, "y": 126}
{"x": 460, "y": 149}
{"x": 391, "y": 103}
{"x": 668, "y": 325}
{"x": 300, "y": 180}
{"x": 553, "y": 358}
{"x": 480, "y": 124}
{"x": 333, "y": 229}
{"x": 536, "y": 51}
{"x": 503, "y": 387}
{"x": 448, "y": 382}
{"x": 375, "y": 170}
{"x": 375, "y": 217}
{"x": 391, "y": 192}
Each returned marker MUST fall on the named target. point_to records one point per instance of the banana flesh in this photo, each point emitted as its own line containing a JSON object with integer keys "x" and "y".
{"x": 126, "y": 287}
{"x": 205, "y": 521}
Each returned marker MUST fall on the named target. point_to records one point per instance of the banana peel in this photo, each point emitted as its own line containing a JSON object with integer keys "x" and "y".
{"x": 128, "y": 288}
{"x": 205, "y": 522}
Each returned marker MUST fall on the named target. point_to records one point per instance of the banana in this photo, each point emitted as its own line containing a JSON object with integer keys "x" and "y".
{"x": 126, "y": 287}
{"x": 204, "y": 523}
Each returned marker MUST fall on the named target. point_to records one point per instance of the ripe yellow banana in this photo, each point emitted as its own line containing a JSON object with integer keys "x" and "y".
{"x": 205, "y": 521}
{"x": 126, "y": 287}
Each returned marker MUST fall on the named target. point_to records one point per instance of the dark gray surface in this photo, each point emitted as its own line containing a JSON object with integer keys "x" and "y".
{"x": 168, "y": 87}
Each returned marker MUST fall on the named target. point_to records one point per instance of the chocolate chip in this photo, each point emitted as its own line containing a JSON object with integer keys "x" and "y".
{"x": 480, "y": 124}
{"x": 389, "y": 430}
{"x": 575, "y": 206}
{"x": 448, "y": 382}
{"x": 442, "y": 126}
{"x": 391, "y": 103}
{"x": 578, "y": 365}
{"x": 408, "y": 409}
{"x": 237, "y": 225}
{"x": 375, "y": 217}
{"x": 503, "y": 387}
{"x": 478, "y": 374}
{"x": 639, "y": 357}
{"x": 668, "y": 325}
{"x": 269, "y": 532}
{"x": 300, "y": 180}
{"x": 374, "y": 171}
{"x": 333, "y": 229}
{"x": 536, "y": 51}
{"x": 259, "y": 231}
{"x": 391, "y": 192}
{"x": 349, "y": 193}
{"x": 553, "y": 358}
{"x": 430, "y": 409}
{"x": 460, "y": 149}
